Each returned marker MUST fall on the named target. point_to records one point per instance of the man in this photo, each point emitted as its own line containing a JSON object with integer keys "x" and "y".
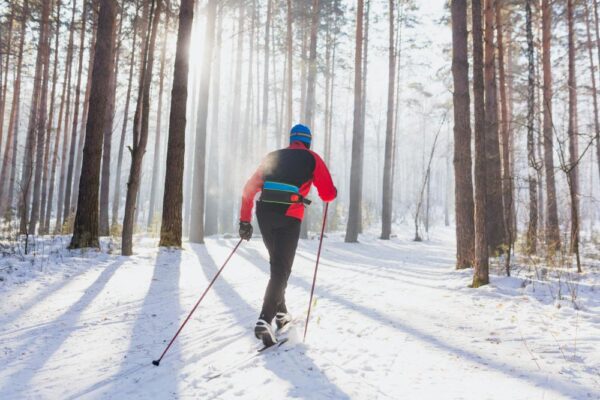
{"x": 284, "y": 178}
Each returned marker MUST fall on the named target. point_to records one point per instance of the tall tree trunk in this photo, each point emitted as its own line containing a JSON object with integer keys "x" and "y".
{"x": 290, "y": 66}
{"x": 228, "y": 182}
{"x": 140, "y": 129}
{"x": 117, "y": 192}
{"x": 463, "y": 192}
{"x": 248, "y": 135}
{"x": 45, "y": 195}
{"x": 170, "y": 231}
{"x": 597, "y": 31}
{"x": 552, "y": 229}
{"x": 4, "y": 71}
{"x": 309, "y": 109}
{"x": 58, "y": 131}
{"x": 531, "y": 240}
{"x": 65, "y": 146}
{"x": 34, "y": 110}
{"x": 328, "y": 139}
{"x": 365, "y": 67}
{"x": 71, "y": 166}
{"x": 593, "y": 77}
{"x": 84, "y": 113}
{"x": 507, "y": 180}
{"x": 265, "y": 93}
{"x": 198, "y": 199}
{"x": 494, "y": 214}
{"x": 9, "y": 160}
{"x": 481, "y": 262}
{"x": 211, "y": 218}
{"x": 573, "y": 167}
{"x": 358, "y": 138}
{"x": 388, "y": 185}
{"x": 103, "y": 223}
{"x": 157, "y": 139}
{"x": 41, "y": 118}
{"x": 85, "y": 228}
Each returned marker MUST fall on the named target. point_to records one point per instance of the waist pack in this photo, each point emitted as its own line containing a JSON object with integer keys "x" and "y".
{"x": 282, "y": 193}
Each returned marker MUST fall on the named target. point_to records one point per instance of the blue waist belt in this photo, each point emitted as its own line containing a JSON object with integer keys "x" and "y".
{"x": 282, "y": 193}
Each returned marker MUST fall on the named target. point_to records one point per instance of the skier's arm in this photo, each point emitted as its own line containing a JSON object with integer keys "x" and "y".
{"x": 253, "y": 186}
{"x": 322, "y": 180}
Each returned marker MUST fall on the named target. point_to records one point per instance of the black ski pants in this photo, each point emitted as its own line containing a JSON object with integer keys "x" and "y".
{"x": 280, "y": 234}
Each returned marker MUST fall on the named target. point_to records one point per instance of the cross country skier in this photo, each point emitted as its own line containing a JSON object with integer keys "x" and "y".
{"x": 284, "y": 178}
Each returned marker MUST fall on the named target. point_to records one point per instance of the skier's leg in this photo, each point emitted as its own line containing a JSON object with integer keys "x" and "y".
{"x": 288, "y": 237}
{"x": 266, "y": 222}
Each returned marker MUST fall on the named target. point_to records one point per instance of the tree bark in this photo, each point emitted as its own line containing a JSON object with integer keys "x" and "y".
{"x": 573, "y": 167}
{"x": 309, "y": 109}
{"x": 597, "y": 31}
{"x": 228, "y": 181}
{"x": 593, "y": 77}
{"x": 198, "y": 192}
{"x": 463, "y": 192}
{"x": 170, "y": 233}
{"x": 552, "y": 228}
{"x": 358, "y": 138}
{"x": 65, "y": 89}
{"x": 494, "y": 208}
{"x": 9, "y": 160}
{"x": 265, "y": 93}
{"x": 507, "y": 179}
{"x": 34, "y": 110}
{"x": 388, "y": 185}
{"x": 45, "y": 195}
{"x": 85, "y": 228}
{"x": 481, "y": 266}
{"x": 211, "y": 218}
{"x": 290, "y": 67}
{"x": 531, "y": 239}
{"x": 65, "y": 146}
{"x": 140, "y": 130}
{"x": 4, "y": 71}
{"x": 157, "y": 138}
{"x": 84, "y": 113}
{"x": 117, "y": 191}
{"x": 104, "y": 226}
{"x": 71, "y": 165}
{"x": 41, "y": 118}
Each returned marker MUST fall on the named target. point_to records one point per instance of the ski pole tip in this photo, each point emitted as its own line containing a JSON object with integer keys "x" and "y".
{"x": 156, "y": 362}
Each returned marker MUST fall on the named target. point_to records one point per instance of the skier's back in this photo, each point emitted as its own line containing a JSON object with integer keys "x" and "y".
{"x": 284, "y": 178}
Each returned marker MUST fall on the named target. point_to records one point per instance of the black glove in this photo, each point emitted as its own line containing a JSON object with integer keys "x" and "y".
{"x": 245, "y": 230}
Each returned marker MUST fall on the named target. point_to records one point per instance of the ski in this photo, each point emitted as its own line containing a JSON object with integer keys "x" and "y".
{"x": 259, "y": 352}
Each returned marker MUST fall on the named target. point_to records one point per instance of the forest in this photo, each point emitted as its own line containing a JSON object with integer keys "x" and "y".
{"x": 463, "y": 138}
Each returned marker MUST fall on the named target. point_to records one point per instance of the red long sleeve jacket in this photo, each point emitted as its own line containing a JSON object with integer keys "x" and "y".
{"x": 295, "y": 165}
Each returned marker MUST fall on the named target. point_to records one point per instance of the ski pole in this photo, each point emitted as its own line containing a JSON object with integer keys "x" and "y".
{"x": 157, "y": 362}
{"x": 312, "y": 290}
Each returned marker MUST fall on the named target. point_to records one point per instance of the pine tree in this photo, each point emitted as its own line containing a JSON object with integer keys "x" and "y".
{"x": 464, "y": 208}
{"x": 171, "y": 229}
{"x": 85, "y": 229}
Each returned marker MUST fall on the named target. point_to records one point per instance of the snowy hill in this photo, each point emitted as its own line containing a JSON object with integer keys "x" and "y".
{"x": 392, "y": 320}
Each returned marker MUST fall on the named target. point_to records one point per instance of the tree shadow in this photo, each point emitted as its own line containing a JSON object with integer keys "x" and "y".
{"x": 296, "y": 373}
{"x": 48, "y": 345}
{"x": 158, "y": 319}
{"x": 539, "y": 379}
{"x": 41, "y": 295}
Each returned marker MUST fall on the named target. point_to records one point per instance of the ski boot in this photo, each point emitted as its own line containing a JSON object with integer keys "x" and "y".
{"x": 263, "y": 331}
{"x": 282, "y": 319}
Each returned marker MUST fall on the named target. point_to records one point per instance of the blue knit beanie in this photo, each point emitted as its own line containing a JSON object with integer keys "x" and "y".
{"x": 300, "y": 133}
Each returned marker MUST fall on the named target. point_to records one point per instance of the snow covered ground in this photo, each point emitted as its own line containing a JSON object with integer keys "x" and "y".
{"x": 392, "y": 320}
